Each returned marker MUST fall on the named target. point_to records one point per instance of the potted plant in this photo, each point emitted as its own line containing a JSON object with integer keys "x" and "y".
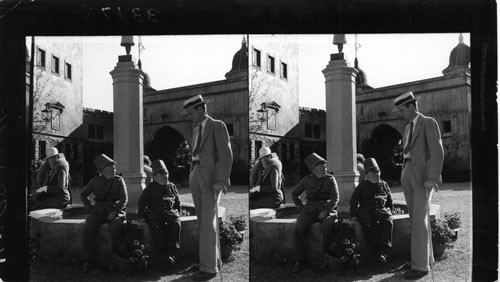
{"x": 442, "y": 236}
{"x": 231, "y": 235}
{"x": 454, "y": 223}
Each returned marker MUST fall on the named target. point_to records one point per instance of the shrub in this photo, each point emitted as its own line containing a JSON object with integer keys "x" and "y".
{"x": 441, "y": 232}
{"x": 453, "y": 220}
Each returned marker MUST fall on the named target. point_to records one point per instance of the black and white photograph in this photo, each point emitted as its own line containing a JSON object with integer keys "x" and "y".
{"x": 120, "y": 185}
{"x": 331, "y": 187}
{"x": 186, "y": 140}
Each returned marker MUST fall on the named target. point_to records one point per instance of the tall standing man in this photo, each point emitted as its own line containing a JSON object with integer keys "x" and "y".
{"x": 421, "y": 175}
{"x": 212, "y": 159}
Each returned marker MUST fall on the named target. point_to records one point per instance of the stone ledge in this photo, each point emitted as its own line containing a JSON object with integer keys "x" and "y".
{"x": 271, "y": 238}
{"x": 61, "y": 238}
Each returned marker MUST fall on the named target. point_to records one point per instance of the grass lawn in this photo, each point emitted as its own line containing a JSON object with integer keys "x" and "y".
{"x": 237, "y": 269}
{"x": 455, "y": 265}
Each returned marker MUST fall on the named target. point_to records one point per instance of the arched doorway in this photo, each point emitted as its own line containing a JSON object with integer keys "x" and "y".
{"x": 384, "y": 145}
{"x": 170, "y": 146}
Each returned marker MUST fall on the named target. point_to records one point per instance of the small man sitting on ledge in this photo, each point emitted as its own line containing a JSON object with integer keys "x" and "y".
{"x": 322, "y": 198}
{"x": 160, "y": 205}
{"x": 371, "y": 204}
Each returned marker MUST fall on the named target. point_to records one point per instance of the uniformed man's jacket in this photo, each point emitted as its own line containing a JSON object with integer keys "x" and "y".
{"x": 319, "y": 191}
{"x": 110, "y": 194}
{"x": 158, "y": 201}
{"x": 369, "y": 198}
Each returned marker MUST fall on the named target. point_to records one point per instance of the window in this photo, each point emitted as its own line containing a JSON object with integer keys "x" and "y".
{"x": 91, "y": 131}
{"x": 284, "y": 71}
{"x": 99, "y": 132}
{"x": 67, "y": 71}
{"x": 75, "y": 152}
{"x": 292, "y": 151}
{"x": 283, "y": 151}
{"x": 55, "y": 120}
{"x": 67, "y": 150}
{"x": 42, "y": 147}
{"x": 256, "y": 58}
{"x": 55, "y": 65}
{"x": 316, "y": 131}
{"x": 258, "y": 145}
{"x": 270, "y": 64}
{"x": 308, "y": 128}
{"x": 446, "y": 126}
{"x": 40, "y": 57}
{"x": 230, "y": 129}
{"x": 271, "y": 119}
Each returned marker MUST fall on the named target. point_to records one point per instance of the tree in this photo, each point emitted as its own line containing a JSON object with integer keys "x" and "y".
{"x": 257, "y": 92}
{"x": 42, "y": 93}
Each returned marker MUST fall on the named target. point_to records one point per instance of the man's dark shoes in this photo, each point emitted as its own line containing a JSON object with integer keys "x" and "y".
{"x": 171, "y": 259}
{"x": 414, "y": 274}
{"x": 203, "y": 276}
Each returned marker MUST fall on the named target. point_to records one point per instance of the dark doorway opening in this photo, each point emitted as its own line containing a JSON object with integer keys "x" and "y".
{"x": 170, "y": 146}
{"x": 384, "y": 146}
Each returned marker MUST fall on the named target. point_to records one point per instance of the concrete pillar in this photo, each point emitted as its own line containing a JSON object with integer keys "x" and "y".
{"x": 341, "y": 125}
{"x": 128, "y": 145}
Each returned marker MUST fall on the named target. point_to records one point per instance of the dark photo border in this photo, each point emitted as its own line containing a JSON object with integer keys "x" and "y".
{"x": 21, "y": 18}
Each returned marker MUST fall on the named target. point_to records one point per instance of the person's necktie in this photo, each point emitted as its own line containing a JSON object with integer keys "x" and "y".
{"x": 408, "y": 142}
{"x": 197, "y": 147}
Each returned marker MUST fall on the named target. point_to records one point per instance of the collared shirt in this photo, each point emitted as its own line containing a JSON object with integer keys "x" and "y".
{"x": 203, "y": 124}
{"x": 414, "y": 121}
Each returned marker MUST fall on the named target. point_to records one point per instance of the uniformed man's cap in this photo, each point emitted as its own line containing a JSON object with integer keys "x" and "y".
{"x": 370, "y": 164}
{"x": 313, "y": 160}
{"x": 102, "y": 161}
{"x": 158, "y": 165}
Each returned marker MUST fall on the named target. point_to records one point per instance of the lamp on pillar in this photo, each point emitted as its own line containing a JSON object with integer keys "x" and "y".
{"x": 127, "y": 42}
{"x": 339, "y": 40}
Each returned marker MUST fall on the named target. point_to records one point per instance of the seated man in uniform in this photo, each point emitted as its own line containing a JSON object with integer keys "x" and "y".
{"x": 322, "y": 198}
{"x": 110, "y": 204}
{"x": 159, "y": 204}
{"x": 371, "y": 205}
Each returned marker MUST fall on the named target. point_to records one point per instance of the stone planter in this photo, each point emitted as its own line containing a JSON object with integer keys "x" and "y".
{"x": 225, "y": 252}
{"x": 438, "y": 249}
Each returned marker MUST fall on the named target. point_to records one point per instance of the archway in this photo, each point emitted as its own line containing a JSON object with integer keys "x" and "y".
{"x": 384, "y": 146}
{"x": 170, "y": 146}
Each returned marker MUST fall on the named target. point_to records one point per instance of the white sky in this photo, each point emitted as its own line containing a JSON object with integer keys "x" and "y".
{"x": 386, "y": 59}
{"x": 174, "y": 61}
{"x": 170, "y": 61}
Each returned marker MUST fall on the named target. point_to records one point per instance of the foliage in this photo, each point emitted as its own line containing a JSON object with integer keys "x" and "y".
{"x": 130, "y": 246}
{"x": 229, "y": 235}
{"x": 453, "y": 220}
{"x": 441, "y": 232}
{"x": 238, "y": 222}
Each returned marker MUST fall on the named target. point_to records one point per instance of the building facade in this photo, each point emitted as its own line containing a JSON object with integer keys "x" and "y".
{"x": 446, "y": 98}
{"x": 57, "y": 100}
{"x": 167, "y": 133}
{"x": 274, "y": 101}
{"x": 297, "y": 131}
